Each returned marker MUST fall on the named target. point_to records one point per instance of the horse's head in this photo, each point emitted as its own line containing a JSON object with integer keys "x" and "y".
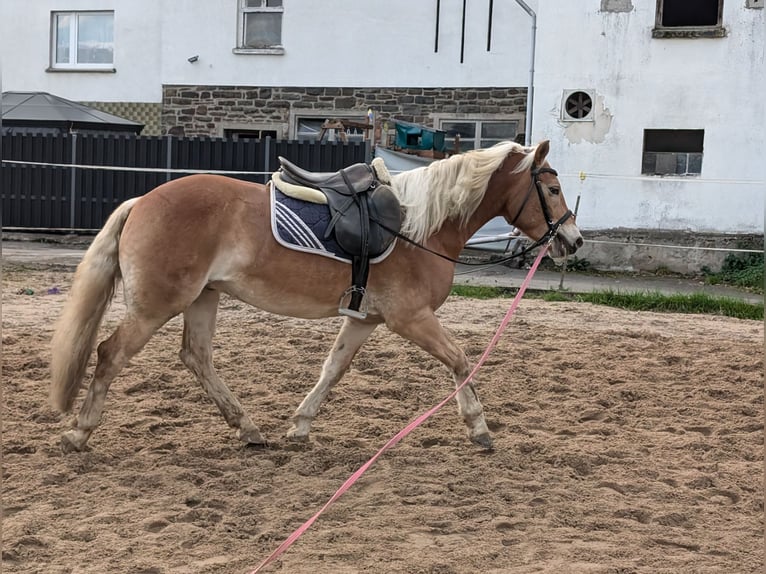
{"x": 537, "y": 206}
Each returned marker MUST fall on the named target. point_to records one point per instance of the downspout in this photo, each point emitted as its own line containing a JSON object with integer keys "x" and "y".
{"x": 531, "y": 86}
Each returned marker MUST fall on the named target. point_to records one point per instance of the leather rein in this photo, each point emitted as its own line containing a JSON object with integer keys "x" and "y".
{"x": 553, "y": 226}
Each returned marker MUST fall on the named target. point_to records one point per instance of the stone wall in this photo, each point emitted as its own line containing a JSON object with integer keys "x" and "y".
{"x": 205, "y": 110}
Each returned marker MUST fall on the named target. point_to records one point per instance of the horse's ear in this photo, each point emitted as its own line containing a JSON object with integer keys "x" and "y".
{"x": 541, "y": 151}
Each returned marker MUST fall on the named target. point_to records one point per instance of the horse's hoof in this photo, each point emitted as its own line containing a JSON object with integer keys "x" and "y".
{"x": 68, "y": 444}
{"x": 484, "y": 440}
{"x": 252, "y": 437}
{"x": 293, "y": 436}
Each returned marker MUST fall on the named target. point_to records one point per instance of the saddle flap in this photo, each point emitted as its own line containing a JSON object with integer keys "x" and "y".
{"x": 384, "y": 214}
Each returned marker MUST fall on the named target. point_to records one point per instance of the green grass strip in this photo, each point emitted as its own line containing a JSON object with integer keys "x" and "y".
{"x": 693, "y": 303}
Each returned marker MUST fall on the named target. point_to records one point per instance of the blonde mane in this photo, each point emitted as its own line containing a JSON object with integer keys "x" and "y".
{"x": 451, "y": 188}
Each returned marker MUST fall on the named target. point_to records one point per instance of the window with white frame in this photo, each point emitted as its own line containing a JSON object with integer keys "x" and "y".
{"x": 478, "y": 133}
{"x": 260, "y": 27}
{"x": 82, "y": 40}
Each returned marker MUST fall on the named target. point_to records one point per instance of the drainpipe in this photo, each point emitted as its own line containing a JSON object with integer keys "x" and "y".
{"x": 531, "y": 86}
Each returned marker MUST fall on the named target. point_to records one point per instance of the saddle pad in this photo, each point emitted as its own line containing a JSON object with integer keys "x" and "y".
{"x": 301, "y": 225}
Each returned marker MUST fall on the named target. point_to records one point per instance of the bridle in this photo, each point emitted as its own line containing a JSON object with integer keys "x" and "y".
{"x": 548, "y": 237}
{"x": 553, "y": 227}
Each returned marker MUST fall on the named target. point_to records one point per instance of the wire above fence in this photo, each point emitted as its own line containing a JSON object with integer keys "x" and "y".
{"x": 582, "y": 175}
{"x": 137, "y": 169}
{"x": 661, "y": 178}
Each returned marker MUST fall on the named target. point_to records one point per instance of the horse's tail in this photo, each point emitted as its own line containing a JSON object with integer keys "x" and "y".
{"x": 77, "y": 327}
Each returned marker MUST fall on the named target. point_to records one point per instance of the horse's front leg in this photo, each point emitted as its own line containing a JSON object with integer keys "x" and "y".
{"x": 424, "y": 330}
{"x": 352, "y": 335}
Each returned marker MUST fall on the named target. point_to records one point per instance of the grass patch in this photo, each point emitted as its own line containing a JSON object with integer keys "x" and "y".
{"x": 741, "y": 270}
{"x": 694, "y": 303}
{"x": 482, "y": 292}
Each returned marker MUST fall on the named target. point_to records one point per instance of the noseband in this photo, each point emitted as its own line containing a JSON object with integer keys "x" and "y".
{"x": 553, "y": 226}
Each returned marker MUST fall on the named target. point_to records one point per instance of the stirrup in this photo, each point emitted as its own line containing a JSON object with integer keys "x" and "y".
{"x": 345, "y": 299}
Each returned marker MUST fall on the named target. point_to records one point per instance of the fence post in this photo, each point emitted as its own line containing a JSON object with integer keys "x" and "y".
{"x": 73, "y": 182}
{"x": 169, "y": 157}
{"x": 267, "y": 159}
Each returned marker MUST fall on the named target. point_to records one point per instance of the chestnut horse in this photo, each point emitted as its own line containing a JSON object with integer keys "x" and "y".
{"x": 180, "y": 246}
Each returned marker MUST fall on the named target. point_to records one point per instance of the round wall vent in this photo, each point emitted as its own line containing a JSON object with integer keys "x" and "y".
{"x": 578, "y": 106}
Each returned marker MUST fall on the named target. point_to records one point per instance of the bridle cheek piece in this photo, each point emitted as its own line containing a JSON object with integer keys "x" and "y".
{"x": 553, "y": 226}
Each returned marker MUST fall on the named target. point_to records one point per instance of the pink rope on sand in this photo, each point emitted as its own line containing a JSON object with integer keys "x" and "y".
{"x": 411, "y": 426}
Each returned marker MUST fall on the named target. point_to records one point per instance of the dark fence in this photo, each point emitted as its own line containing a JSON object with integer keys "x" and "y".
{"x": 57, "y": 197}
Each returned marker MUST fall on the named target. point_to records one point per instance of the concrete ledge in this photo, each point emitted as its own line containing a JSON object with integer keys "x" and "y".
{"x": 684, "y": 252}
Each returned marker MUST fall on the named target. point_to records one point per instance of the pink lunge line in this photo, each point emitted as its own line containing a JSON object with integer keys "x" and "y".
{"x": 411, "y": 426}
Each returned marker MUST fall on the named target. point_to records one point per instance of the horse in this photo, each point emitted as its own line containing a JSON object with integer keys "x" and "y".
{"x": 177, "y": 248}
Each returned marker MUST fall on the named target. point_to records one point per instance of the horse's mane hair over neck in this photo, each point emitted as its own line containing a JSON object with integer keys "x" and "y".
{"x": 451, "y": 188}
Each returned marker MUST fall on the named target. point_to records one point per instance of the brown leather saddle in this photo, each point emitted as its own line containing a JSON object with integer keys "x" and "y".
{"x": 365, "y": 215}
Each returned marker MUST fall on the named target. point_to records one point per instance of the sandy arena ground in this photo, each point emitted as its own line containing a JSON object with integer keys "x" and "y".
{"x": 624, "y": 443}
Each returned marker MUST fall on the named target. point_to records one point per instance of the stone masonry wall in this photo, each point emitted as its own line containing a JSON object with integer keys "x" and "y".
{"x": 202, "y": 110}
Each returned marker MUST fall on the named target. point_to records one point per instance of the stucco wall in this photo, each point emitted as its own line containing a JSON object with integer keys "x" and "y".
{"x": 646, "y": 83}
{"x": 333, "y": 43}
{"x": 25, "y": 48}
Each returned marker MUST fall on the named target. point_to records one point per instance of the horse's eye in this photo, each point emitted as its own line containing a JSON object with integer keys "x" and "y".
{"x": 555, "y": 190}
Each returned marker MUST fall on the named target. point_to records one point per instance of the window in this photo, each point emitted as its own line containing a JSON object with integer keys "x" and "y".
{"x": 309, "y": 129}
{"x": 82, "y": 40}
{"x": 260, "y": 27}
{"x": 672, "y": 152}
{"x": 685, "y": 19}
{"x": 238, "y": 134}
{"x": 475, "y": 134}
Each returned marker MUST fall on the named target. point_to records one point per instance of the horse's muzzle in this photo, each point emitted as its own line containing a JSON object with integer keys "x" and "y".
{"x": 567, "y": 242}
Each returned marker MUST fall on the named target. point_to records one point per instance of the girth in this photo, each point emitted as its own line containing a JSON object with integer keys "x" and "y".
{"x": 362, "y": 212}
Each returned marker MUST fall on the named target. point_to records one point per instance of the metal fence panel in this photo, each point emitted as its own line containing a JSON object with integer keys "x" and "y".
{"x": 56, "y": 197}
{"x": 99, "y": 192}
{"x": 35, "y": 196}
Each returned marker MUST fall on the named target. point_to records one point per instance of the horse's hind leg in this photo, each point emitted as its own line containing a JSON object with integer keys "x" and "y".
{"x": 197, "y": 355}
{"x": 113, "y": 354}
{"x": 352, "y": 335}
{"x": 425, "y": 331}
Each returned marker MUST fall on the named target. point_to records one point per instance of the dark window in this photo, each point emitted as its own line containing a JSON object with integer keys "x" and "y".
{"x": 689, "y": 19}
{"x": 672, "y": 152}
{"x": 686, "y": 13}
{"x": 241, "y": 134}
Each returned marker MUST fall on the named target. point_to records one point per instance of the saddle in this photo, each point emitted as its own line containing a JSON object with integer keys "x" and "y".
{"x": 364, "y": 217}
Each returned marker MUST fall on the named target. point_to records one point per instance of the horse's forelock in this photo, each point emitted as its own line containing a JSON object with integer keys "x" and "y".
{"x": 450, "y": 188}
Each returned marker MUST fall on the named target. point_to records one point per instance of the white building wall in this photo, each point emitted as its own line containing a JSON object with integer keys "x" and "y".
{"x": 338, "y": 43}
{"x": 646, "y": 83}
{"x": 25, "y": 29}
{"x": 332, "y": 43}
